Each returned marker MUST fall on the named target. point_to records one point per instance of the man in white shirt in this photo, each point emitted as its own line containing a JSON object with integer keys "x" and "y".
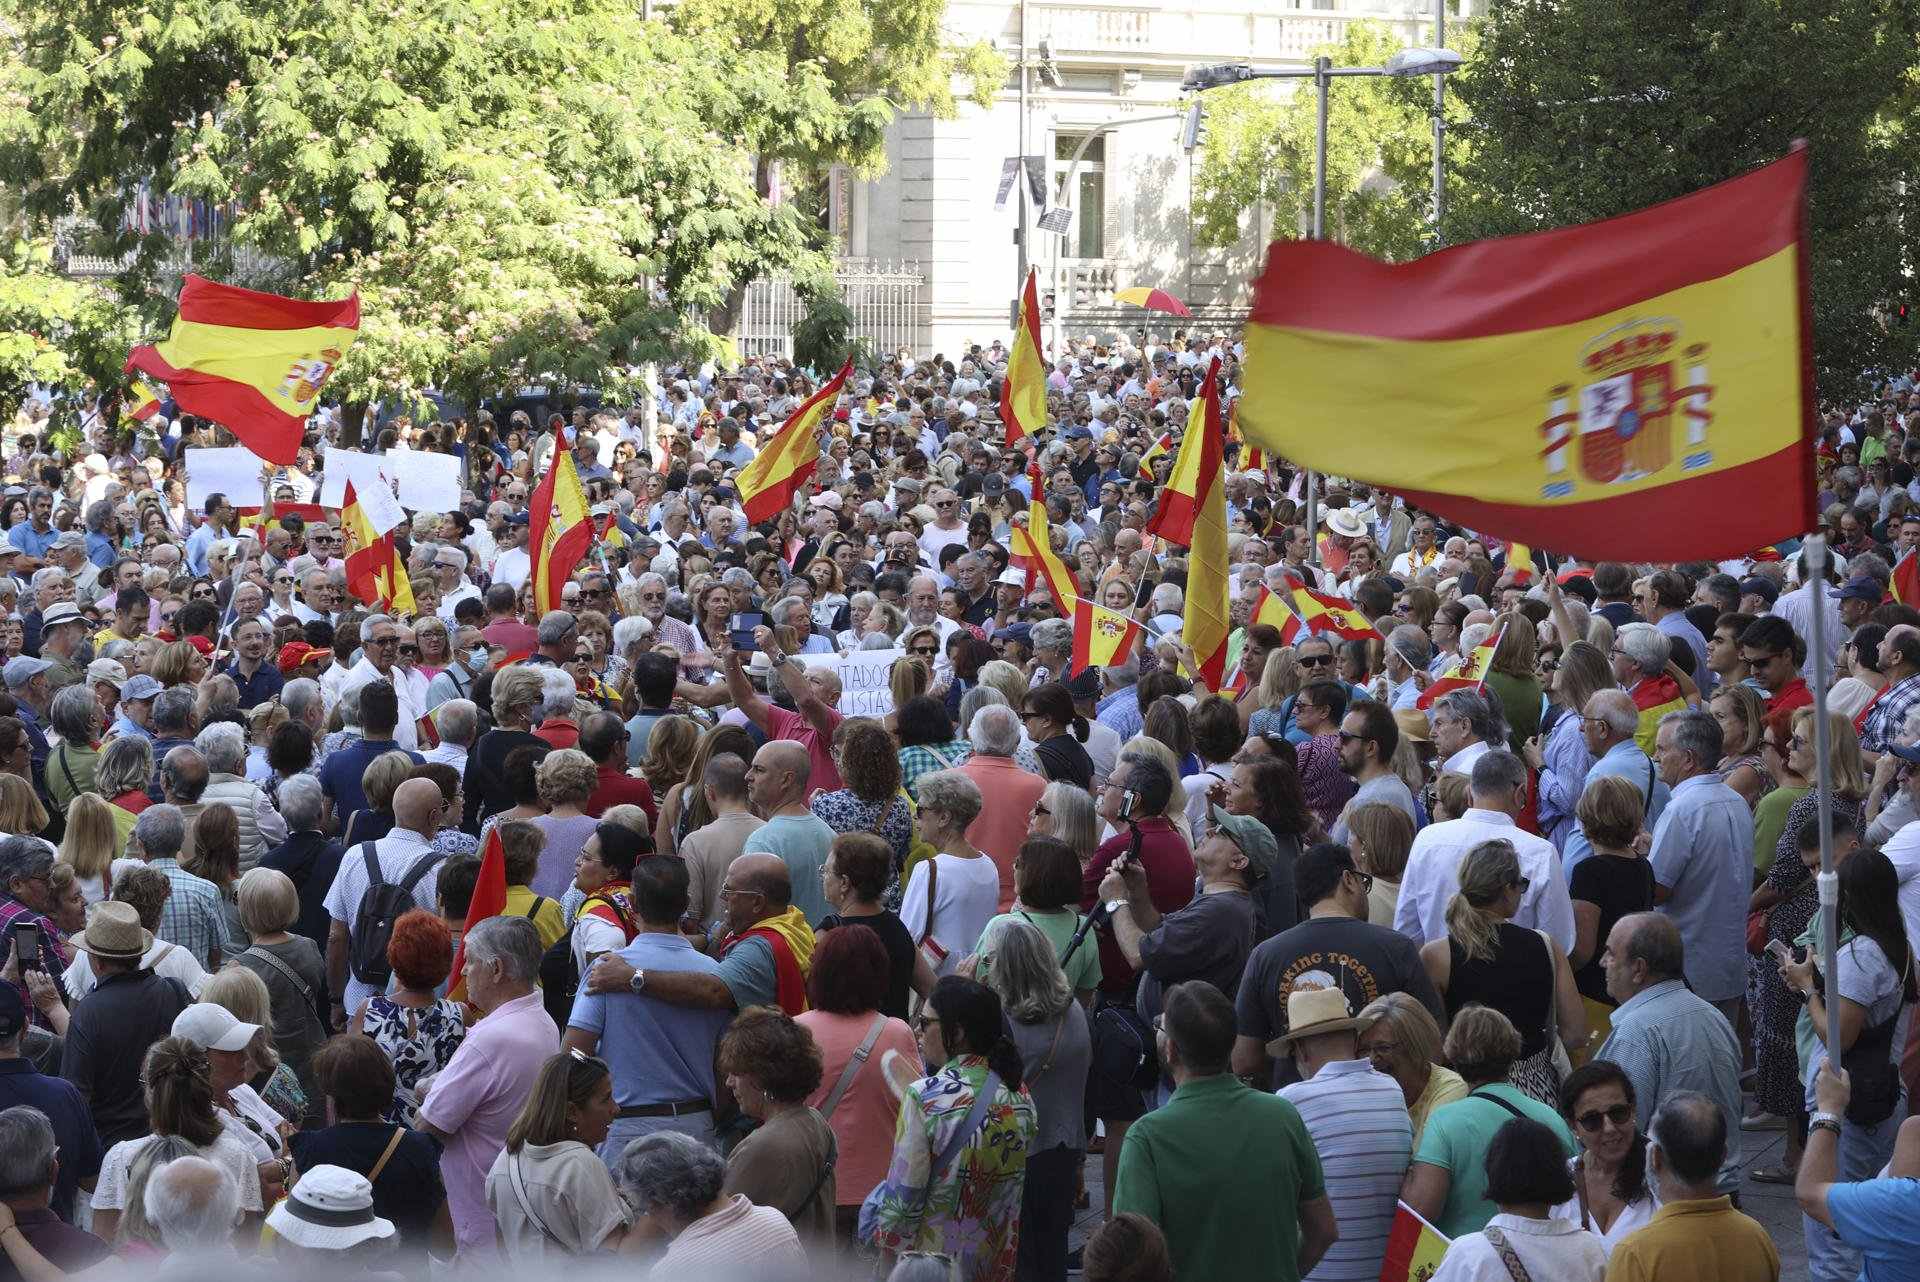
{"x": 1464, "y": 729}
{"x": 513, "y": 565}
{"x": 418, "y": 808}
{"x": 380, "y": 642}
{"x": 450, "y": 568}
{"x": 1432, "y": 875}
{"x": 946, "y": 527}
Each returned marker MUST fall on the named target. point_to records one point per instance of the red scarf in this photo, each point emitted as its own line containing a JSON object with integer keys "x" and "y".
{"x": 790, "y": 982}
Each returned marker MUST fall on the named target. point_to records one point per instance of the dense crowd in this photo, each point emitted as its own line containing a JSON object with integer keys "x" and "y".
{"x": 776, "y": 988}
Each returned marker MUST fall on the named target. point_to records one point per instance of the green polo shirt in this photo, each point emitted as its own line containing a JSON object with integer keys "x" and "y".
{"x": 1220, "y": 1169}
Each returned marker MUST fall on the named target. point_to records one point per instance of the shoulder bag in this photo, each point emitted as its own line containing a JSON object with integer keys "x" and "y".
{"x": 852, "y": 1070}
{"x": 1508, "y": 1256}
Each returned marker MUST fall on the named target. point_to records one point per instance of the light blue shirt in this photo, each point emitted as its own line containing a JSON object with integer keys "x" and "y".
{"x": 199, "y": 543}
{"x": 1680, "y": 630}
{"x": 1703, "y": 853}
{"x": 34, "y": 543}
{"x": 1564, "y": 764}
{"x": 659, "y": 1054}
{"x": 1667, "y": 1039}
{"x": 802, "y": 842}
{"x": 1626, "y": 760}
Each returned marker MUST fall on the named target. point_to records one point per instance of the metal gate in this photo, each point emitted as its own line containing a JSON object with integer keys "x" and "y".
{"x": 887, "y": 297}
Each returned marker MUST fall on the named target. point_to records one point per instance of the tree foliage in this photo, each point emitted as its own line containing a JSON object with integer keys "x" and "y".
{"x": 54, "y": 330}
{"x": 1582, "y": 109}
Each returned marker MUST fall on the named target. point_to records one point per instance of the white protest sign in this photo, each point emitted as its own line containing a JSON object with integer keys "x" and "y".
{"x": 364, "y": 470}
{"x": 428, "y": 482}
{"x": 232, "y": 470}
{"x": 864, "y": 691}
{"x": 381, "y": 508}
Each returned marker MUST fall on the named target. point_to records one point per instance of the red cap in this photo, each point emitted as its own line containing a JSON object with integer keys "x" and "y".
{"x": 200, "y": 643}
{"x": 292, "y": 655}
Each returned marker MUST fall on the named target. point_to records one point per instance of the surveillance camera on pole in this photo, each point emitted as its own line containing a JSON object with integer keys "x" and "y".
{"x": 1194, "y": 132}
{"x": 1225, "y": 73}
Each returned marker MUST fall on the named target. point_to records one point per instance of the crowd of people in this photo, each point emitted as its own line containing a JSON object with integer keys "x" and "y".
{"x": 480, "y": 930}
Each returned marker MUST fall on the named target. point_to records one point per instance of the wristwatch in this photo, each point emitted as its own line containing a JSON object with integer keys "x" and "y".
{"x": 1820, "y": 1120}
{"x": 639, "y": 981}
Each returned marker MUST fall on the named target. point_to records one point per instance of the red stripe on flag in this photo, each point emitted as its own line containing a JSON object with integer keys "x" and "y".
{"x": 489, "y": 900}
{"x": 235, "y": 406}
{"x": 207, "y": 302}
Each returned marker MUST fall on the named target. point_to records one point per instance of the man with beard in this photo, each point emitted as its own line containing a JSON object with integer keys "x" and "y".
{"x": 1368, "y": 737}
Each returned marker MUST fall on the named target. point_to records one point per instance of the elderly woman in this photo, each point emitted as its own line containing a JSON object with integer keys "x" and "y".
{"x": 1046, "y": 884}
{"x": 950, "y": 898}
{"x": 871, "y": 800}
{"x": 290, "y": 966}
{"x": 75, "y": 717}
{"x": 1741, "y": 714}
{"x": 772, "y": 1065}
{"x": 355, "y": 1081}
{"x": 674, "y": 1186}
{"x": 845, "y": 988}
{"x": 963, "y": 1202}
{"x": 244, "y": 1110}
{"x": 516, "y": 698}
{"x": 1402, "y": 1040}
{"x": 1447, "y": 1183}
{"x": 566, "y": 780}
{"x": 1381, "y": 837}
{"x": 549, "y": 1191}
{"x": 1612, "y": 1195}
{"x": 1526, "y": 1176}
{"x": 855, "y": 880}
{"x": 418, "y": 1030}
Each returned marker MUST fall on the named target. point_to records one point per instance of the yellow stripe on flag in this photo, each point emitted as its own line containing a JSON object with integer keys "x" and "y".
{"x": 259, "y": 358}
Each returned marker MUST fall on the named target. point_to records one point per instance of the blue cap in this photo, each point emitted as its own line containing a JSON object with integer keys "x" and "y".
{"x": 1020, "y": 632}
{"x": 1078, "y": 432}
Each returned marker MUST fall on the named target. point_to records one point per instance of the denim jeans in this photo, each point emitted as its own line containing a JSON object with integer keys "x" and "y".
{"x": 625, "y": 1130}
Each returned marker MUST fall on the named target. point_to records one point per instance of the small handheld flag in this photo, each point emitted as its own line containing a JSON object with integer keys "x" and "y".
{"x": 1471, "y": 675}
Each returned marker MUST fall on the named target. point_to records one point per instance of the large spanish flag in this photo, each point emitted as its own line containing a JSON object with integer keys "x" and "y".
{"x": 1023, "y": 392}
{"x": 1101, "y": 637}
{"x": 1639, "y": 388}
{"x": 1199, "y": 462}
{"x": 787, "y": 461}
{"x": 1206, "y": 624}
{"x": 252, "y": 362}
{"x": 559, "y": 525}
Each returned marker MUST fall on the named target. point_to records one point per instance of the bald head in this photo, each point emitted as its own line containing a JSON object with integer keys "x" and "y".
{"x": 1615, "y": 710}
{"x": 779, "y": 775}
{"x": 416, "y": 806}
{"x": 763, "y": 874}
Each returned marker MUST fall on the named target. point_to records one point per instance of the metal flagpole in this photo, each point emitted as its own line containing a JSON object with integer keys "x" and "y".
{"x": 1813, "y": 563}
{"x": 1322, "y": 81}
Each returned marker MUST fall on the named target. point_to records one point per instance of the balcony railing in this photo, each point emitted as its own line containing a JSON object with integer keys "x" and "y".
{"x": 1152, "y": 33}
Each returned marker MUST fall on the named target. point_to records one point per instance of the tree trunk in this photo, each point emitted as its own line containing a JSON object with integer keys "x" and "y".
{"x": 725, "y": 319}
{"x": 353, "y": 415}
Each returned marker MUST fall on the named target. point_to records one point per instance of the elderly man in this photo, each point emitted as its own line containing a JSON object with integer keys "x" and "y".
{"x": 26, "y": 679}
{"x": 192, "y": 919}
{"x": 1886, "y": 715}
{"x": 1696, "y": 1234}
{"x": 111, "y": 1028}
{"x": 450, "y": 571}
{"x": 792, "y": 613}
{"x": 308, "y": 857}
{"x": 380, "y": 644}
{"x": 667, "y": 630}
{"x": 63, "y": 630}
{"x": 26, "y": 897}
{"x": 1610, "y": 729}
{"x": 317, "y": 597}
{"x": 224, "y": 745}
{"x": 474, "y": 1099}
{"x": 1465, "y": 728}
{"x": 764, "y": 954}
{"x": 194, "y": 1204}
{"x": 37, "y": 1155}
{"x": 505, "y": 629}
{"x": 923, "y": 611}
{"x": 457, "y": 721}
{"x": 1702, "y": 858}
{"x": 1640, "y": 656}
{"x": 1012, "y": 791}
{"x": 816, "y": 694}
{"x": 406, "y": 858}
{"x": 554, "y": 639}
{"x": 1432, "y": 876}
{"x": 661, "y": 1053}
{"x": 1664, "y": 1036}
{"x": 777, "y": 785}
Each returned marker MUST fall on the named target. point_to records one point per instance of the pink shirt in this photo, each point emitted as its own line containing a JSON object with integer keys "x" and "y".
{"x": 863, "y": 1121}
{"x": 475, "y": 1099}
{"x": 782, "y": 724}
{"x": 1002, "y": 824}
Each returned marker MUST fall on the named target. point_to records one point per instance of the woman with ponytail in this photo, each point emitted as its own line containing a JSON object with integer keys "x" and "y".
{"x": 1059, "y": 733}
{"x": 1486, "y": 960}
{"x": 972, "y": 1110}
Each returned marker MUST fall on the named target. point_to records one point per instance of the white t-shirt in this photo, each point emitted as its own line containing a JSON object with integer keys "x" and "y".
{"x": 965, "y": 898}
{"x": 1903, "y": 852}
{"x": 226, "y": 1152}
{"x": 164, "y": 959}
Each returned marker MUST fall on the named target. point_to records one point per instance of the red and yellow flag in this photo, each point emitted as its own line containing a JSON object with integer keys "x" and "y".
{"x": 559, "y": 525}
{"x": 787, "y": 461}
{"x": 1198, "y": 463}
{"x": 1324, "y": 612}
{"x": 1639, "y": 388}
{"x": 1101, "y": 637}
{"x": 489, "y": 900}
{"x": 1023, "y": 392}
{"x": 1470, "y": 675}
{"x": 1906, "y": 579}
{"x": 375, "y": 573}
{"x": 1414, "y": 1248}
{"x": 1252, "y": 457}
{"x": 1193, "y": 513}
{"x": 250, "y": 361}
{"x": 1154, "y": 451}
{"x": 1033, "y": 550}
{"x": 1520, "y": 563}
{"x": 1276, "y": 614}
{"x": 142, "y": 401}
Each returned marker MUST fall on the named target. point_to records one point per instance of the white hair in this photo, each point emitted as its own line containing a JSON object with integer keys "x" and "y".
{"x": 194, "y": 1204}
{"x": 1167, "y": 598}
{"x": 224, "y": 745}
{"x": 995, "y": 730}
{"x": 557, "y": 692}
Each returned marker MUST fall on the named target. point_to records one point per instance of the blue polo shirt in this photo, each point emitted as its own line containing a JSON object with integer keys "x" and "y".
{"x": 72, "y": 1121}
{"x": 341, "y": 773}
{"x": 32, "y": 541}
{"x": 660, "y": 1054}
{"x": 265, "y": 682}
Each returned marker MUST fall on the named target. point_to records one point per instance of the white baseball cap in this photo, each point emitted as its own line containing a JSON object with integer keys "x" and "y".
{"x": 213, "y": 1028}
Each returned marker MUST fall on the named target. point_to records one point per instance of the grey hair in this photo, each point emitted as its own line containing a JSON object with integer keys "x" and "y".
{"x": 23, "y": 859}
{"x": 738, "y": 577}
{"x": 995, "y": 729}
{"x": 777, "y": 612}
{"x": 1032, "y": 987}
{"x": 300, "y": 694}
{"x": 951, "y": 793}
{"x": 1481, "y": 714}
{"x": 26, "y": 1151}
{"x": 301, "y": 802}
{"x": 1411, "y": 644}
{"x": 973, "y": 701}
{"x": 349, "y": 705}
{"x": 160, "y": 830}
{"x": 224, "y": 745}
{"x": 125, "y": 764}
{"x": 99, "y": 512}
{"x": 1167, "y": 598}
{"x": 557, "y": 691}
{"x": 73, "y": 713}
{"x": 1646, "y": 645}
{"x": 511, "y": 941}
{"x": 555, "y": 627}
{"x": 1118, "y": 676}
{"x": 1696, "y": 732}
{"x": 366, "y": 624}
{"x": 1498, "y": 771}
{"x": 1472, "y": 635}
{"x": 876, "y": 641}
{"x": 1052, "y": 635}
{"x": 672, "y": 1172}
{"x": 173, "y": 709}
{"x": 194, "y": 1204}
{"x": 458, "y": 721}
{"x": 630, "y": 631}
{"x": 1615, "y": 707}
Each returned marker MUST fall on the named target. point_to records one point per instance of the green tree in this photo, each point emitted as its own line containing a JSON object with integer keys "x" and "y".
{"x": 1584, "y": 109}
{"x": 1259, "y": 152}
{"x": 54, "y": 329}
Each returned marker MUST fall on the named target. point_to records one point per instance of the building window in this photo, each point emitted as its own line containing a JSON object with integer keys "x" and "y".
{"x": 1087, "y": 237}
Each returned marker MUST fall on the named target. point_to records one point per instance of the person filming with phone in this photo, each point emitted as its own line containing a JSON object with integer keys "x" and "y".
{"x": 26, "y": 895}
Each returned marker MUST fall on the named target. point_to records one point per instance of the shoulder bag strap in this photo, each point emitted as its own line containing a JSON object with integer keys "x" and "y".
{"x": 1495, "y": 1099}
{"x": 826, "y": 1169}
{"x": 67, "y": 770}
{"x": 969, "y": 1127}
{"x": 1508, "y": 1256}
{"x": 1647, "y": 808}
{"x": 933, "y": 879}
{"x": 293, "y": 977}
{"x": 1058, "y": 1029}
{"x": 518, "y": 1181}
{"x": 940, "y": 757}
{"x": 1580, "y": 1191}
{"x": 399, "y": 1133}
{"x": 852, "y": 1070}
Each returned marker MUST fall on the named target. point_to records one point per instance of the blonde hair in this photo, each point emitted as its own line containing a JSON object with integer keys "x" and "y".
{"x": 1007, "y": 679}
{"x": 267, "y": 901}
{"x": 1485, "y": 874}
{"x": 20, "y": 808}
{"x": 383, "y": 777}
{"x": 517, "y": 689}
{"x": 671, "y": 746}
{"x": 1610, "y": 811}
{"x": 567, "y": 775}
{"x": 90, "y": 845}
{"x": 244, "y": 995}
{"x": 1383, "y": 833}
{"x": 1746, "y": 701}
{"x": 1454, "y": 791}
{"x": 173, "y": 666}
{"x": 1280, "y": 679}
{"x": 908, "y": 678}
{"x": 1843, "y": 752}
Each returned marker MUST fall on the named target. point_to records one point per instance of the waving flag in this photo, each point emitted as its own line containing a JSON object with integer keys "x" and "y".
{"x": 1414, "y": 1248}
{"x": 1033, "y": 550}
{"x": 1023, "y": 392}
{"x": 1324, "y": 612}
{"x": 787, "y": 461}
{"x": 1639, "y": 388}
{"x": 142, "y": 401}
{"x": 1154, "y": 451}
{"x": 489, "y": 900}
{"x": 1471, "y": 675}
{"x": 1193, "y": 513}
{"x": 1520, "y": 563}
{"x": 559, "y": 526}
{"x": 1252, "y": 457}
{"x": 1101, "y": 637}
{"x": 375, "y": 573}
{"x": 1275, "y": 613}
{"x": 1197, "y": 467}
{"x": 252, "y": 362}
{"x": 1906, "y": 579}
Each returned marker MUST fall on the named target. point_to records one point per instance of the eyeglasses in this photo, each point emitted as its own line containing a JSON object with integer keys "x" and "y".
{"x": 410, "y": 651}
{"x": 1366, "y": 878}
{"x": 924, "y": 650}
{"x": 1346, "y": 737}
{"x": 381, "y": 641}
{"x": 1313, "y": 660}
{"x": 1041, "y": 812}
{"x": 1619, "y": 1115}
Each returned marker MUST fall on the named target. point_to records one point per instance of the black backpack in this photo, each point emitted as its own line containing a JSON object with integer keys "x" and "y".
{"x": 381, "y": 906}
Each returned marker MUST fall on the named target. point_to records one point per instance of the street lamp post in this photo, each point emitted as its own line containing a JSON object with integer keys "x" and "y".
{"x": 1408, "y": 62}
{"x": 1063, "y": 291}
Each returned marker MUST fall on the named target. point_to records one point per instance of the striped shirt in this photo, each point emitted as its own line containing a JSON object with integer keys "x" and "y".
{"x": 1357, "y": 1118}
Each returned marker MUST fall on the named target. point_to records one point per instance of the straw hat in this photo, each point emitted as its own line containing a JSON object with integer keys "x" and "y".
{"x": 114, "y": 933}
{"x": 1311, "y": 1012}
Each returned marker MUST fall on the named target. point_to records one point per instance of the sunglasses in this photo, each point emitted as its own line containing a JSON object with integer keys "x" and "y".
{"x": 1619, "y": 1115}
{"x": 1314, "y": 660}
{"x": 1041, "y": 811}
{"x": 411, "y": 651}
{"x": 923, "y": 650}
